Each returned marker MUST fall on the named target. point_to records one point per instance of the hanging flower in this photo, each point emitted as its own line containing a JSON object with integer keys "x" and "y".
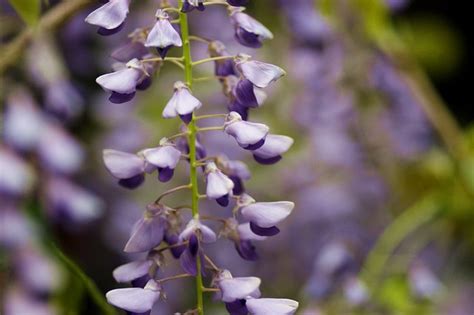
{"x": 238, "y": 288}
{"x": 237, "y": 171}
{"x": 163, "y": 36}
{"x": 136, "y": 300}
{"x": 218, "y": 185}
{"x": 244, "y": 245}
{"x": 261, "y": 74}
{"x": 165, "y": 157}
{"x": 248, "y": 135}
{"x": 273, "y": 148}
{"x": 189, "y": 5}
{"x": 128, "y": 168}
{"x": 182, "y": 103}
{"x": 110, "y": 17}
{"x": 149, "y": 231}
{"x": 123, "y": 83}
{"x": 248, "y": 31}
{"x": 16, "y": 176}
{"x": 224, "y": 67}
{"x": 264, "y": 216}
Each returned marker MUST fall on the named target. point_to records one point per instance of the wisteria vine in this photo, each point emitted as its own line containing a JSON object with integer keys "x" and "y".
{"x": 160, "y": 229}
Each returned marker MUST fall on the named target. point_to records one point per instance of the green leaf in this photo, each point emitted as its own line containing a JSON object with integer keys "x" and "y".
{"x": 28, "y": 10}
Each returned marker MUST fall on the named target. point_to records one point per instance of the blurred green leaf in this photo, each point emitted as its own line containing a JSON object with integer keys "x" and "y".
{"x": 28, "y": 10}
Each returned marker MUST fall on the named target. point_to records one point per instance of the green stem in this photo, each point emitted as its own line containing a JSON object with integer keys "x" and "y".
{"x": 93, "y": 290}
{"x": 406, "y": 223}
{"x": 188, "y": 71}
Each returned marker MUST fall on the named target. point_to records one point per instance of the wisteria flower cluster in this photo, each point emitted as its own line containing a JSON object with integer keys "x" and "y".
{"x": 161, "y": 227}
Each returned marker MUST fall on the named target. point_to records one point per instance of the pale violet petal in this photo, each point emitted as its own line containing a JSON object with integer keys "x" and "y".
{"x": 186, "y": 103}
{"x": 164, "y": 156}
{"x": 218, "y": 185}
{"x": 261, "y": 74}
{"x": 110, "y": 15}
{"x": 123, "y": 165}
{"x": 251, "y": 25}
{"x": 266, "y": 306}
{"x": 163, "y": 35}
{"x": 123, "y": 81}
{"x": 239, "y": 288}
{"x": 267, "y": 214}
{"x": 135, "y": 300}
{"x": 148, "y": 232}
{"x": 246, "y": 133}
{"x": 274, "y": 145}
{"x": 132, "y": 270}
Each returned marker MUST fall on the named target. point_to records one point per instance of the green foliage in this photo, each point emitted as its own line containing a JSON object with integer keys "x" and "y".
{"x": 28, "y": 10}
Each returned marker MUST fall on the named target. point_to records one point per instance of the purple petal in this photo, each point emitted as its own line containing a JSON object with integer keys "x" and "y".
{"x": 271, "y": 231}
{"x": 132, "y": 182}
{"x": 246, "y": 250}
{"x": 237, "y": 307}
{"x": 267, "y": 214}
{"x": 133, "y": 270}
{"x": 107, "y": 32}
{"x": 275, "y": 145}
{"x": 239, "y": 288}
{"x": 165, "y": 174}
{"x": 135, "y": 300}
{"x": 244, "y": 92}
{"x": 163, "y": 35}
{"x": 188, "y": 262}
{"x": 255, "y": 146}
{"x": 223, "y": 201}
{"x": 147, "y": 233}
{"x": 109, "y": 16}
{"x": 259, "y": 73}
{"x": 123, "y": 165}
{"x": 267, "y": 306}
{"x": 118, "y": 98}
{"x": 267, "y": 161}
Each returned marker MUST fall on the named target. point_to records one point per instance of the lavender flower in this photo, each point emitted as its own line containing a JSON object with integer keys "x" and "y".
{"x": 248, "y": 135}
{"x": 16, "y": 176}
{"x": 128, "y": 168}
{"x": 182, "y": 103}
{"x": 273, "y": 148}
{"x": 110, "y": 17}
{"x": 123, "y": 83}
{"x": 163, "y": 36}
{"x": 165, "y": 158}
{"x": 248, "y": 31}
{"x": 261, "y": 74}
{"x": 239, "y": 288}
{"x": 224, "y": 67}
{"x": 190, "y": 5}
{"x": 218, "y": 185}
{"x": 136, "y": 300}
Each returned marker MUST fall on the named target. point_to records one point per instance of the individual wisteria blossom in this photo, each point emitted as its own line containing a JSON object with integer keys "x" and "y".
{"x": 190, "y": 5}
{"x": 248, "y": 135}
{"x": 218, "y": 185}
{"x": 136, "y": 300}
{"x": 162, "y": 228}
{"x": 163, "y": 36}
{"x": 128, "y": 168}
{"x": 264, "y": 216}
{"x": 181, "y": 104}
{"x": 110, "y": 17}
{"x": 248, "y": 31}
{"x": 122, "y": 84}
{"x": 165, "y": 157}
{"x": 16, "y": 176}
{"x": 224, "y": 67}
{"x": 273, "y": 148}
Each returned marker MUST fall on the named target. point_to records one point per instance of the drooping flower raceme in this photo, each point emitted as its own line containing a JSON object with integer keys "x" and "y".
{"x": 162, "y": 226}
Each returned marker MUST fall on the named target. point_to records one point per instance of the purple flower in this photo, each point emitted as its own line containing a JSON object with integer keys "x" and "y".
{"x": 149, "y": 231}
{"x": 195, "y": 232}
{"x": 261, "y": 74}
{"x": 16, "y": 177}
{"x": 273, "y": 148}
{"x": 163, "y": 36}
{"x": 136, "y": 300}
{"x": 264, "y": 216}
{"x": 128, "y": 168}
{"x": 248, "y": 95}
{"x": 110, "y": 17}
{"x": 248, "y": 135}
{"x": 182, "y": 103}
{"x": 194, "y": 226}
{"x": 237, "y": 171}
{"x": 132, "y": 270}
{"x": 267, "y": 306}
{"x": 248, "y": 31}
{"x": 69, "y": 202}
{"x": 218, "y": 185}
{"x": 190, "y": 5}
{"x": 123, "y": 83}
{"x": 224, "y": 67}
{"x": 355, "y": 291}
{"x": 165, "y": 158}
{"x": 22, "y": 121}
{"x": 244, "y": 245}
{"x": 238, "y": 288}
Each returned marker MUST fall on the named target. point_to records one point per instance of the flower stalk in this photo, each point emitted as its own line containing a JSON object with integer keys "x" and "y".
{"x": 188, "y": 73}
